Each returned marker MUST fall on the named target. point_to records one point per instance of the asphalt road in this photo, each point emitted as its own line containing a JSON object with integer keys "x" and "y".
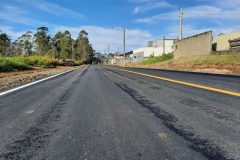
{"x": 101, "y": 112}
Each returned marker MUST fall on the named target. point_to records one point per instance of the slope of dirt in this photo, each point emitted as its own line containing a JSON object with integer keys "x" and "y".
{"x": 221, "y": 64}
{"x": 218, "y": 69}
{"x": 11, "y": 79}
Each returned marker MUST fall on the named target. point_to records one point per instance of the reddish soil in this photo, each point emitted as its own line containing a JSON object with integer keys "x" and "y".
{"x": 10, "y": 79}
{"x": 217, "y": 69}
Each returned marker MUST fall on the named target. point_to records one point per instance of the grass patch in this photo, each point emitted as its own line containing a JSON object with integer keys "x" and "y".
{"x": 10, "y": 63}
{"x": 224, "y": 59}
{"x": 24, "y": 63}
{"x": 153, "y": 60}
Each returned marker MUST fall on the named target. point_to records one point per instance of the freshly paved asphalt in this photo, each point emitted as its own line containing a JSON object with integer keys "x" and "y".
{"x": 100, "y": 112}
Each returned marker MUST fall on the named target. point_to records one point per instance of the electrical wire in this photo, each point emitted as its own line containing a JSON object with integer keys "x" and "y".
{"x": 212, "y": 14}
{"x": 117, "y": 37}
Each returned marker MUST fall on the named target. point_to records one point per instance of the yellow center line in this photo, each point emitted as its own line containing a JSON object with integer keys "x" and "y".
{"x": 185, "y": 83}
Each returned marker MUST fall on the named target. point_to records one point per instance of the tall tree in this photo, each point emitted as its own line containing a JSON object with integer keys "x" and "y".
{"x": 84, "y": 49}
{"x": 5, "y": 42}
{"x": 26, "y": 40}
{"x": 56, "y": 44}
{"x": 66, "y": 45}
{"x": 15, "y": 49}
{"x": 42, "y": 40}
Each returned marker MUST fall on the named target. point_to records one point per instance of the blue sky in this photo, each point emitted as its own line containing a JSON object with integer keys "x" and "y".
{"x": 103, "y": 19}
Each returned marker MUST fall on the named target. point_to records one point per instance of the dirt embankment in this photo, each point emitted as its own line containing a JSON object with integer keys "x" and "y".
{"x": 217, "y": 69}
{"x": 10, "y": 79}
{"x": 222, "y": 64}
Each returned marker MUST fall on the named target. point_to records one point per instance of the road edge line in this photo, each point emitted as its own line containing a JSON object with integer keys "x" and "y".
{"x": 32, "y": 83}
{"x": 186, "y": 83}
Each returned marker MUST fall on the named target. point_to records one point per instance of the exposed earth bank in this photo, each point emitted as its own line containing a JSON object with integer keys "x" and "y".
{"x": 211, "y": 68}
{"x": 15, "y": 78}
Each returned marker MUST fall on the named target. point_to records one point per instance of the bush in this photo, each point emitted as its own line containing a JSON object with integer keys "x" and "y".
{"x": 10, "y": 63}
{"x": 43, "y": 63}
{"x": 78, "y": 63}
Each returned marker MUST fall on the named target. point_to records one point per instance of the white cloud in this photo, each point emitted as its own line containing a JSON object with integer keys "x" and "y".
{"x": 151, "y": 6}
{"x": 9, "y": 31}
{"x": 101, "y": 37}
{"x": 228, "y": 3}
{"x": 53, "y": 9}
{"x": 140, "y": 1}
{"x": 189, "y": 30}
{"x": 196, "y": 12}
{"x": 16, "y": 15}
{"x": 209, "y": 12}
{"x": 155, "y": 18}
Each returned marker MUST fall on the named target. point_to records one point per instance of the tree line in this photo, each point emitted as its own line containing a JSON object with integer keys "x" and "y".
{"x": 61, "y": 45}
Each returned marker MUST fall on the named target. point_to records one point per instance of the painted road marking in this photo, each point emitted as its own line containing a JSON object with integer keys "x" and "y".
{"x": 24, "y": 86}
{"x": 185, "y": 83}
{"x": 162, "y": 135}
{"x": 30, "y": 111}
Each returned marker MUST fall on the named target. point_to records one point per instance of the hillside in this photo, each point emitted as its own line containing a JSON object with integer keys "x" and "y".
{"x": 224, "y": 64}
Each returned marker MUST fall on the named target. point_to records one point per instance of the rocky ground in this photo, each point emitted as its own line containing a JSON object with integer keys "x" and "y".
{"x": 15, "y": 78}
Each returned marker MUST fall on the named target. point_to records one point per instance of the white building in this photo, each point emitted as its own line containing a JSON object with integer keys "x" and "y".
{"x": 154, "y": 48}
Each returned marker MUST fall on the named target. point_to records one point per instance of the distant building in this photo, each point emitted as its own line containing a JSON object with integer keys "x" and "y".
{"x": 154, "y": 49}
{"x": 150, "y": 44}
{"x": 220, "y": 42}
{"x": 118, "y": 57}
{"x": 144, "y": 53}
{"x": 200, "y": 44}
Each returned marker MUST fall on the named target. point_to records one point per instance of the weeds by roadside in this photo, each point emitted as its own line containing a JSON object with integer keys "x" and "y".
{"x": 162, "y": 58}
{"x": 25, "y": 63}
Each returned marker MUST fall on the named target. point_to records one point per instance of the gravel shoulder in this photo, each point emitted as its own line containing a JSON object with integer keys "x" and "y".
{"x": 12, "y": 79}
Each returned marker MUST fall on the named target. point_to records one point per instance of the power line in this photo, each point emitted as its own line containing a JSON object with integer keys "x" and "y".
{"x": 212, "y": 14}
{"x": 117, "y": 37}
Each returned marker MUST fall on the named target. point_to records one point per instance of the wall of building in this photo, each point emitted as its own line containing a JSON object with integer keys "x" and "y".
{"x": 194, "y": 45}
{"x": 150, "y": 44}
{"x": 168, "y": 46}
{"x": 158, "y": 43}
{"x": 220, "y": 43}
{"x": 138, "y": 57}
{"x": 141, "y": 53}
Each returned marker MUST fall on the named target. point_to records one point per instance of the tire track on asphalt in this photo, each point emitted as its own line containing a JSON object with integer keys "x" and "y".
{"x": 204, "y": 146}
{"x": 38, "y": 136}
{"x": 210, "y": 110}
{"x": 196, "y": 143}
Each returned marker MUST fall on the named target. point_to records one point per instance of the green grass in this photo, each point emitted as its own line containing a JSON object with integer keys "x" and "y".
{"x": 24, "y": 63}
{"x": 153, "y": 60}
{"x": 224, "y": 59}
{"x": 9, "y": 63}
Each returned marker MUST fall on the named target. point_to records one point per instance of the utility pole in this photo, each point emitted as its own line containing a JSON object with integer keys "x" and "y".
{"x": 163, "y": 44}
{"x": 180, "y": 36}
{"x": 108, "y": 48}
{"x": 124, "y": 45}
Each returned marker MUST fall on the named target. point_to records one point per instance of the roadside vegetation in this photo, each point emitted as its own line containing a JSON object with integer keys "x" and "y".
{"x": 25, "y": 63}
{"x": 223, "y": 59}
{"x": 43, "y": 50}
{"x": 153, "y": 60}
